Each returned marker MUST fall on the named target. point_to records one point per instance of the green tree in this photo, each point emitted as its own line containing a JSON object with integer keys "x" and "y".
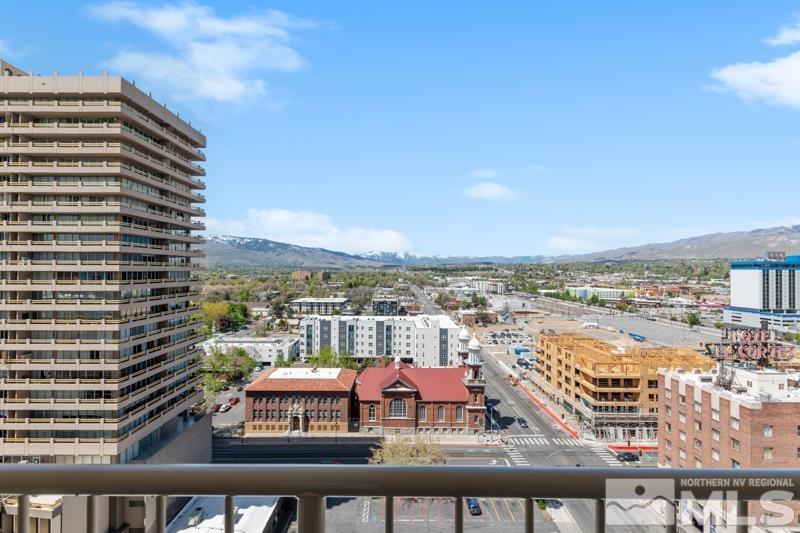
{"x": 692, "y": 319}
{"x": 282, "y": 362}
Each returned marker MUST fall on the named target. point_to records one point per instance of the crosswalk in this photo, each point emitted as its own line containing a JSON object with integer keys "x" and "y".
{"x": 524, "y": 441}
{"x": 607, "y": 456}
{"x": 516, "y": 457}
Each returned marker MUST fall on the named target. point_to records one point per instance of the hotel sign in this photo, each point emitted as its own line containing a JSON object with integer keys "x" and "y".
{"x": 750, "y": 345}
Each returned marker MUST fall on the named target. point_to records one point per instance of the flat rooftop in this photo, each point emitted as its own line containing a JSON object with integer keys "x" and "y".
{"x": 206, "y": 514}
{"x": 320, "y": 300}
{"x": 420, "y": 321}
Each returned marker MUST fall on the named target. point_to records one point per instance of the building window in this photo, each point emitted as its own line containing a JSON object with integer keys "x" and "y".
{"x": 668, "y": 427}
{"x": 423, "y": 413}
{"x": 697, "y": 444}
{"x": 735, "y": 444}
{"x": 766, "y": 430}
{"x": 459, "y": 413}
{"x": 735, "y": 463}
{"x": 682, "y": 436}
{"x": 668, "y": 412}
{"x": 715, "y": 435}
{"x": 440, "y": 413}
{"x": 668, "y": 444}
{"x": 698, "y": 407}
{"x": 698, "y": 426}
{"x": 735, "y": 423}
{"x": 715, "y": 455}
{"x": 767, "y": 453}
{"x": 397, "y": 408}
{"x": 715, "y": 414}
{"x": 681, "y": 399}
{"x": 371, "y": 413}
{"x": 682, "y": 453}
{"x": 681, "y": 418}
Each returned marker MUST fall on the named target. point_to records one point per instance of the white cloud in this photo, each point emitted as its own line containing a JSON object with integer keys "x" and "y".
{"x": 777, "y": 81}
{"x": 788, "y": 34}
{"x": 307, "y": 228}
{"x": 583, "y": 239}
{"x": 483, "y": 173}
{"x": 493, "y": 192}
{"x": 210, "y": 57}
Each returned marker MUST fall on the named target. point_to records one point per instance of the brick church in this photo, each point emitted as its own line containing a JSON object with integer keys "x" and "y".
{"x": 402, "y": 398}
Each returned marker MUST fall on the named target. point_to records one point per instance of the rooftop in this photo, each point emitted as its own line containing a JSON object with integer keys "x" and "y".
{"x": 431, "y": 384}
{"x": 206, "y": 514}
{"x": 321, "y": 300}
{"x": 749, "y": 385}
{"x": 420, "y": 321}
{"x": 304, "y": 379}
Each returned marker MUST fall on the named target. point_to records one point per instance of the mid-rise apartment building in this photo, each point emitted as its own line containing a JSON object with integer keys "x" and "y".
{"x": 385, "y": 305}
{"x": 98, "y": 201}
{"x": 490, "y": 286}
{"x": 735, "y": 417}
{"x": 765, "y": 294}
{"x": 424, "y": 340}
{"x": 611, "y": 390}
{"x": 318, "y": 306}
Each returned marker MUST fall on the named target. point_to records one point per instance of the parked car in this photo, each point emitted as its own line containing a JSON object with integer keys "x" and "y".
{"x": 554, "y": 504}
{"x": 628, "y": 457}
{"x": 225, "y": 408}
{"x": 215, "y": 407}
{"x": 522, "y": 422}
{"x": 473, "y": 506}
{"x": 234, "y": 400}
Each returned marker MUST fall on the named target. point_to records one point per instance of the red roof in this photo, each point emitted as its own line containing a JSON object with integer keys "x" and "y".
{"x": 342, "y": 382}
{"x": 431, "y": 384}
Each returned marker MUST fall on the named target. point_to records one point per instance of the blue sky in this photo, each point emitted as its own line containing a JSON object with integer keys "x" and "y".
{"x": 461, "y": 128}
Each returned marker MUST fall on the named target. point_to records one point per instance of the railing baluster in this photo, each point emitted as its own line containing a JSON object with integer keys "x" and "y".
{"x": 459, "y": 515}
{"x": 311, "y": 514}
{"x": 161, "y": 514}
{"x": 389, "y": 514}
{"x": 600, "y": 516}
{"x": 91, "y": 514}
{"x": 23, "y": 513}
{"x": 741, "y": 516}
{"x": 528, "y": 515}
{"x": 229, "y": 514}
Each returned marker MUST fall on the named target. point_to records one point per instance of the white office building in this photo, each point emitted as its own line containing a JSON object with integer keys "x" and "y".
{"x": 764, "y": 294}
{"x": 264, "y": 350}
{"x": 319, "y": 306}
{"x": 424, "y": 340}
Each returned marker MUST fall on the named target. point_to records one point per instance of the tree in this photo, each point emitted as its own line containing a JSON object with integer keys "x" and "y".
{"x": 211, "y": 387}
{"x": 407, "y": 451}
{"x": 326, "y": 357}
{"x": 281, "y": 361}
{"x": 244, "y": 295}
{"x": 214, "y": 313}
{"x": 692, "y": 319}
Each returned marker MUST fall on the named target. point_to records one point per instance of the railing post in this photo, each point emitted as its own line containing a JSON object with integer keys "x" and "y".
{"x": 600, "y": 515}
{"x": 528, "y": 515}
{"x": 91, "y": 514}
{"x": 23, "y": 513}
{"x": 459, "y": 515}
{"x": 389, "y": 514}
{"x": 311, "y": 514}
{"x": 161, "y": 514}
{"x": 229, "y": 514}
{"x": 742, "y": 516}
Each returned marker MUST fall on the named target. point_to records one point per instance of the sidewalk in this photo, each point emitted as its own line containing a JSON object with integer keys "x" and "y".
{"x": 471, "y": 441}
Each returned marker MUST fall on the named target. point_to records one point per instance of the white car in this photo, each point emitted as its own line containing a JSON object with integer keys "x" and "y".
{"x": 225, "y": 408}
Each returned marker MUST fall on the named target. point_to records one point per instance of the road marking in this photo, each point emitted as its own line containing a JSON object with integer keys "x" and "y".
{"x": 509, "y": 510}
{"x": 495, "y": 510}
{"x": 365, "y": 511}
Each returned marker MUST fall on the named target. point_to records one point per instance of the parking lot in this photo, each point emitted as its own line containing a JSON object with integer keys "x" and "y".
{"x": 429, "y": 514}
{"x": 506, "y": 336}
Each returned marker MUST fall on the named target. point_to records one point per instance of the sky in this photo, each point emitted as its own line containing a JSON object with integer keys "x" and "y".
{"x": 477, "y": 128}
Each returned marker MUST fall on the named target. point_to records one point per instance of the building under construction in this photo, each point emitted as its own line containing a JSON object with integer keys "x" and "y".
{"x": 612, "y": 391}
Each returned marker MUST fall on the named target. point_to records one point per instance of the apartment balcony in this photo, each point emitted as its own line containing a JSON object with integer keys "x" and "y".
{"x": 312, "y": 484}
{"x": 98, "y": 226}
{"x": 47, "y": 265}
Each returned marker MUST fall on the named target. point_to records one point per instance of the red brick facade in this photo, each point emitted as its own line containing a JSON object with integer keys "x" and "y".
{"x": 406, "y": 399}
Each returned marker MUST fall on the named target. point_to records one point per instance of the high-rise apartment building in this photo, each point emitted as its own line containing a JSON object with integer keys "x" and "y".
{"x": 98, "y": 194}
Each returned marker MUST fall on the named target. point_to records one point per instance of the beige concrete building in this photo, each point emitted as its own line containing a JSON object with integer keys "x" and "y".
{"x": 98, "y": 358}
{"x": 611, "y": 390}
{"x": 97, "y": 190}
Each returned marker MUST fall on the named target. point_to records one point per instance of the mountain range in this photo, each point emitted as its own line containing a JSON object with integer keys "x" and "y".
{"x": 250, "y": 252}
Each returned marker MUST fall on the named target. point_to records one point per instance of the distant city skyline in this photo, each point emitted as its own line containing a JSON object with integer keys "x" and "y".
{"x": 496, "y": 129}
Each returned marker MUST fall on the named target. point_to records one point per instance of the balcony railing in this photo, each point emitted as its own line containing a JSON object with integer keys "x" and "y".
{"x": 311, "y": 484}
